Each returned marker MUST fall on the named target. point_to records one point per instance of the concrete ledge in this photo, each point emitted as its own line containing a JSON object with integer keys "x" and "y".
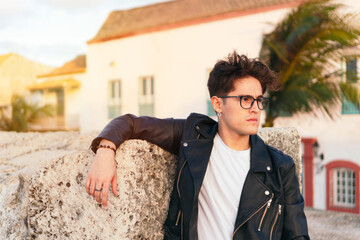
{"x": 42, "y": 193}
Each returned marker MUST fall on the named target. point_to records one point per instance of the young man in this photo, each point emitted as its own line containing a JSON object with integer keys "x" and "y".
{"x": 230, "y": 185}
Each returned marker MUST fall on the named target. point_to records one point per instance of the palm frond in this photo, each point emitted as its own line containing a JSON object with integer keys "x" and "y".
{"x": 305, "y": 48}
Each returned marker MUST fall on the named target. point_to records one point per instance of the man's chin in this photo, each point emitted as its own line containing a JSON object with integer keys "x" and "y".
{"x": 253, "y": 131}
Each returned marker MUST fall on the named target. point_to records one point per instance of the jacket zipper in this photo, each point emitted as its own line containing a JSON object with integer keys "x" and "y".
{"x": 251, "y": 216}
{"x": 263, "y": 216}
{"x": 178, "y": 179}
{"x": 276, "y": 218}
{"x": 178, "y": 218}
{"x": 178, "y": 190}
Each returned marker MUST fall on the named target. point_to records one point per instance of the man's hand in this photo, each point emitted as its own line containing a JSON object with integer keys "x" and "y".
{"x": 102, "y": 172}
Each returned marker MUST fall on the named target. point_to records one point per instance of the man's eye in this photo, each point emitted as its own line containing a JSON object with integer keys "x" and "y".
{"x": 260, "y": 100}
{"x": 246, "y": 99}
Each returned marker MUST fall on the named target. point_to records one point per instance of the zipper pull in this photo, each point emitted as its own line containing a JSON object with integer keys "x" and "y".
{"x": 279, "y": 212}
{"x": 269, "y": 203}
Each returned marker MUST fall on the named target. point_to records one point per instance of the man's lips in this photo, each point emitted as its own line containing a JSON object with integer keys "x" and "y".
{"x": 252, "y": 120}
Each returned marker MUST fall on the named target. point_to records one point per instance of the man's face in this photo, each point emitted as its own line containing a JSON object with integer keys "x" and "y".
{"x": 235, "y": 119}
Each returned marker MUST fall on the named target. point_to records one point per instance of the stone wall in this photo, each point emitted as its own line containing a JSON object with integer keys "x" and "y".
{"x": 42, "y": 186}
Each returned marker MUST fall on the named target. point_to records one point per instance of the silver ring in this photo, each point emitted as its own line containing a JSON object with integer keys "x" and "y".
{"x": 99, "y": 190}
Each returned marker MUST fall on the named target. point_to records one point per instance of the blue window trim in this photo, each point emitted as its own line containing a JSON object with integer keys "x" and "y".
{"x": 210, "y": 110}
{"x": 349, "y": 107}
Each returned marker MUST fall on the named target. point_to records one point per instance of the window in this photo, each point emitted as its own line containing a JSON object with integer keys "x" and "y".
{"x": 210, "y": 110}
{"x": 146, "y": 106}
{"x": 60, "y": 102}
{"x": 344, "y": 188}
{"x": 114, "y": 101}
{"x": 351, "y": 76}
{"x": 349, "y": 107}
{"x": 36, "y": 96}
{"x": 351, "y": 70}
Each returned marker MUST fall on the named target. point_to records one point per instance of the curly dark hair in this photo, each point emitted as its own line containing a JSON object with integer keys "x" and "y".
{"x": 235, "y": 66}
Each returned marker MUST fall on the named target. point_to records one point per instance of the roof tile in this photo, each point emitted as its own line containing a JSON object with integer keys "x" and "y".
{"x": 76, "y": 65}
{"x": 128, "y": 22}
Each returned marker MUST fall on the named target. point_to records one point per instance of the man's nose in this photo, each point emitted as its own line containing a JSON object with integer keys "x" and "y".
{"x": 254, "y": 107}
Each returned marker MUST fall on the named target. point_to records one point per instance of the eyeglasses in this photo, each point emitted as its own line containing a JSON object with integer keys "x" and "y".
{"x": 247, "y": 102}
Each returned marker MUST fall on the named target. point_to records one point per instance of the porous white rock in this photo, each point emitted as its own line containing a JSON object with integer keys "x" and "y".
{"x": 288, "y": 141}
{"x": 42, "y": 186}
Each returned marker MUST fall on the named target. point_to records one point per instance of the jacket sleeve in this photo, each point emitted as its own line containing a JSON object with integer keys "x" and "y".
{"x": 165, "y": 133}
{"x": 295, "y": 224}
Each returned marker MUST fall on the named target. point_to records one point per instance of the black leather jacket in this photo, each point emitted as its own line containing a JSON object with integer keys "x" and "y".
{"x": 271, "y": 206}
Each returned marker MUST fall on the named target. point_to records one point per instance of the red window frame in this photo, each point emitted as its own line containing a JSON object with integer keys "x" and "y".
{"x": 329, "y": 185}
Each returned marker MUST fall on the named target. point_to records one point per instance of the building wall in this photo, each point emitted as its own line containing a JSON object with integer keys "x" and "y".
{"x": 72, "y": 103}
{"x": 178, "y": 59}
{"x": 338, "y": 139}
{"x": 17, "y": 72}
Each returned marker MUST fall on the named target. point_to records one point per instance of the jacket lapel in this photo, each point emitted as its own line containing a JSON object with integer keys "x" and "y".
{"x": 255, "y": 193}
{"x": 198, "y": 146}
{"x": 198, "y": 160}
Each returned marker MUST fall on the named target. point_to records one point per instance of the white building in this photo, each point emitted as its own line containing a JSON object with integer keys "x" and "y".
{"x": 155, "y": 60}
{"x": 159, "y": 56}
{"x": 62, "y": 89}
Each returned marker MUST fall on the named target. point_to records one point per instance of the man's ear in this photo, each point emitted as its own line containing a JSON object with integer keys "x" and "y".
{"x": 216, "y": 103}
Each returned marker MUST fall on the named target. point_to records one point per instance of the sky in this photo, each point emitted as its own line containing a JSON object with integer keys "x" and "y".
{"x": 53, "y": 32}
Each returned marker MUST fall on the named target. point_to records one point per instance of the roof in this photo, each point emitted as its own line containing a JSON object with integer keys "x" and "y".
{"x": 77, "y": 65}
{"x": 70, "y": 82}
{"x": 158, "y": 16}
{"x": 3, "y": 58}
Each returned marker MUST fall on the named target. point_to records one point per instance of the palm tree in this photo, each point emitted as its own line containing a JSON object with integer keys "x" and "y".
{"x": 304, "y": 49}
{"x": 22, "y": 114}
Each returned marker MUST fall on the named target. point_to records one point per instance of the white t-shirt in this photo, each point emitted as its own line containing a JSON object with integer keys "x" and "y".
{"x": 220, "y": 192}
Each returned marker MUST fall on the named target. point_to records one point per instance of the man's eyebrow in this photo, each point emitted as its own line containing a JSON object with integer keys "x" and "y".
{"x": 246, "y": 95}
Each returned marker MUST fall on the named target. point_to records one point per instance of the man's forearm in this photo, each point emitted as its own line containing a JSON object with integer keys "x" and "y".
{"x": 166, "y": 133}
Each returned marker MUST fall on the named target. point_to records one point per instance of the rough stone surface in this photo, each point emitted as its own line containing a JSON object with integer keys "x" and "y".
{"x": 42, "y": 193}
{"x": 288, "y": 141}
{"x": 50, "y": 202}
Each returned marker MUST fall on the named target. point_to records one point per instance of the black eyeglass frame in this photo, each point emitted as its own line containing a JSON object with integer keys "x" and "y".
{"x": 267, "y": 100}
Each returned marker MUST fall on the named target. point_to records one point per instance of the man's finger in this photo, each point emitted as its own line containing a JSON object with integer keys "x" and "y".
{"x": 97, "y": 192}
{"x": 105, "y": 193}
{"x": 87, "y": 185}
{"x": 114, "y": 185}
{"x": 92, "y": 187}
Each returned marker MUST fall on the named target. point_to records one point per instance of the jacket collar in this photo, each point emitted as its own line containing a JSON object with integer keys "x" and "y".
{"x": 260, "y": 160}
{"x": 198, "y": 151}
{"x": 206, "y": 127}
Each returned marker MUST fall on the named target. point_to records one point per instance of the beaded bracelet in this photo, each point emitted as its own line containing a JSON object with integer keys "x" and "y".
{"x": 106, "y": 146}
